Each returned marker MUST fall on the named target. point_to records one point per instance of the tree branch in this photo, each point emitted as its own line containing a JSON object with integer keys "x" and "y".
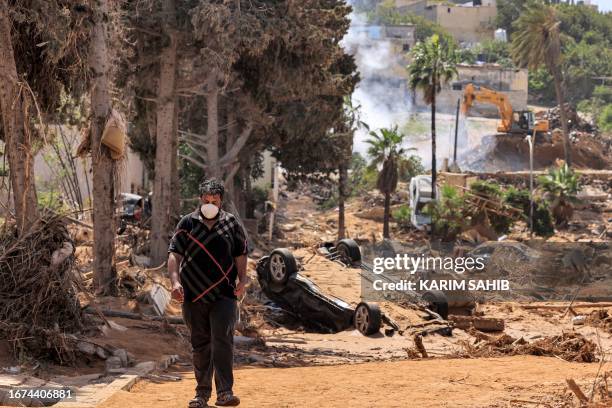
{"x": 232, "y": 153}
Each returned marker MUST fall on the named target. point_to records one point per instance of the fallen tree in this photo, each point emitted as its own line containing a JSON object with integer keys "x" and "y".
{"x": 39, "y": 308}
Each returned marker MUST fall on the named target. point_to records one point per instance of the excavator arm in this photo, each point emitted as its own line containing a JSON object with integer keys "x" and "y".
{"x": 485, "y": 95}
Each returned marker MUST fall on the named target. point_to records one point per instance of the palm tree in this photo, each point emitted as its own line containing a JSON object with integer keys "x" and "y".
{"x": 385, "y": 147}
{"x": 434, "y": 63}
{"x": 535, "y": 42}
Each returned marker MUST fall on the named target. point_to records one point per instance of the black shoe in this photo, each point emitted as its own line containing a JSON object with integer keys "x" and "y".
{"x": 198, "y": 402}
{"x": 227, "y": 399}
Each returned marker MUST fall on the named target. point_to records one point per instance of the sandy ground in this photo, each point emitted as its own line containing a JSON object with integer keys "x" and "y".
{"x": 499, "y": 382}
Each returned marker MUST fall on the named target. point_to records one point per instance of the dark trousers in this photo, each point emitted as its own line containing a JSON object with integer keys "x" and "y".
{"x": 212, "y": 341}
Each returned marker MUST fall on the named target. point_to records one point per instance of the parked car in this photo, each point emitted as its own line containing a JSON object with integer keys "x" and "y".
{"x": 133, "y": 209}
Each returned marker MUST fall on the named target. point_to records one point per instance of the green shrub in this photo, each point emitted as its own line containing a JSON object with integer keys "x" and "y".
{"x": 448, "y": 213}
{"x": 402, "y": 216}
{"x": 604, "y": 121}
{"x": 259, "y": 195}
{"x": 52, "y": 200}
{"x": 492, "y": 207}
{"x": 543, "y": 221}
{"x": 362, "y": 178}
{"x": 561, "y": 182}
{"x": 542, "y": 218}
{"x": 409, "y": 167}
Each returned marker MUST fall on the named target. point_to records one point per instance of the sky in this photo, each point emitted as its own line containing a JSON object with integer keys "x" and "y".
{"x": 604, "y": 5}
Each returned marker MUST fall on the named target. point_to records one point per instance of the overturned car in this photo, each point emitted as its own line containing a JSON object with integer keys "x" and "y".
{"x": 280, "y": 280}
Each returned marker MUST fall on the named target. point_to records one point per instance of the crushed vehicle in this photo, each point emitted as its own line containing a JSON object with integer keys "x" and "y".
{"x": 420, "y": 195}
{"x": 279, "y": 277}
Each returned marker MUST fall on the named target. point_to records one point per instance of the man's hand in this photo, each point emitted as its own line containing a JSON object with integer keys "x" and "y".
{"x": 240, "y": 288}
{"x": 177, "y": 292}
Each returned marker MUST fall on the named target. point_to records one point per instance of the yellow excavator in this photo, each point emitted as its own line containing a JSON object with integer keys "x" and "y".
{"x": 512, "y": 122}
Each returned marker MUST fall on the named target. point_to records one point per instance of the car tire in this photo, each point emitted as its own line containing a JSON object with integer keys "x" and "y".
{"x": 367, "y": 318}
{"x": 282, "y": 265}
{"x": 436, "y": 302}
{"x": 349, "y": 251}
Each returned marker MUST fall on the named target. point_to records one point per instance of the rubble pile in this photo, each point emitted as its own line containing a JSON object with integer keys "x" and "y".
{"x": 38, "y": 290}
{"x": 567, "y": 346}
{"x": 575, "y": 121}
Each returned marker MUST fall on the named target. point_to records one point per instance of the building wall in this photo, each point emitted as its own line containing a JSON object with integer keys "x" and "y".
{"x": 469, "y": 24}
{"x": 265, "y": 181}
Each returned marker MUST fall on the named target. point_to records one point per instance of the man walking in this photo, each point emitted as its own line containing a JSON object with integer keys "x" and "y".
{"x": 207, "y": 253}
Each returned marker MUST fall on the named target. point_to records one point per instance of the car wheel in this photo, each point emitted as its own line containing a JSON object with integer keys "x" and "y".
{"x": 282, "y": 265}
{"x": 349, "y": 251}
{"x": 436, "y": 302}
{"x": 367, "y": 318}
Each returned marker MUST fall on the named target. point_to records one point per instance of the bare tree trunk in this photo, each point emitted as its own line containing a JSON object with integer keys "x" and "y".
{"x": 17, "y": 137}
{"x": 433, "y": 148}
{"x": 342, "y": 193}
{"x": 230, "y": 139}
{"x": 212, "y": 121}
{"x": 241, "y": 198}
{"x": 567, "y": 147}
{"x": 386, "y": 215}
{"x": 175, "y": 205}
{"x": 103, "y": 187}
{"x": 248, "y": 194}
{"x": 166, "y": 105}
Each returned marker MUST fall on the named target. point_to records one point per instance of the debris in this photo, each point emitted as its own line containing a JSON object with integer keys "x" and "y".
{"x": 135, "y": 316}
{"x": 113, "y": 363}
{"x": 60, "y": 255}
{"x": 576, "y": 390}
{"x": 578, "y": 320}
{"x": 418, "y": 342}
{"x": 100, "y": 352}
{"x": 123, "y": 356}
{"x": 115, "y": 134}
{"x": 143, "y": 368}
{"x": 116, "y": 326}
{"x": 86, "y": 348}
{"x": 567, "y": 346}
{"x": 574, "y": 306}
{"x": 159, "y": 297}
{"x": 141, "y": 260}
{"x": 77, "y": 381}
{"x": 27, "y": 272}
{"x": 483, "y": 324}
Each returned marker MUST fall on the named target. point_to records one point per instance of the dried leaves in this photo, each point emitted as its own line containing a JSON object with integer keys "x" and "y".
{"x": 38, "y": 299}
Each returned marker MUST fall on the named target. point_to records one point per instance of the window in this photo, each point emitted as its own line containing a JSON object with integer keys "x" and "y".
{"x": 448, "y": 9}
{"x": 457, "y": 86}
{"x": 405, "y": 47}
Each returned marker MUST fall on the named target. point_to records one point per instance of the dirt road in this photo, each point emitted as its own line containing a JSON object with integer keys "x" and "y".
{"x": 498, "y": 382}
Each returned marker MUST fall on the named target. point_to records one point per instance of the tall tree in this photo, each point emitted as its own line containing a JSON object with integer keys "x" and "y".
{"x": 166, "y": 138}
{"x": 102, "y": 164}
{"x": 14, "y": 103}
{"x": 41, "y": 58}
{"x": 537, "y": 42}
{"x": 433, "y": 64}
{"x": 386, "y": 148}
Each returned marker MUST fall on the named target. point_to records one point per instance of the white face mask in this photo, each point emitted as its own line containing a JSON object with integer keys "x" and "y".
{"x": 209, "y": 211}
